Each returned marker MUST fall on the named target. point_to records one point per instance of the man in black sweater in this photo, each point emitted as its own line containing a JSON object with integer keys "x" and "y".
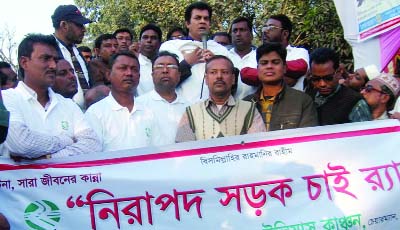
{"x": 336, "y": 104}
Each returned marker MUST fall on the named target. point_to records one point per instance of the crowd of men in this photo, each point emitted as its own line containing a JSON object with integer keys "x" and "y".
{"x": 125, "y": 94}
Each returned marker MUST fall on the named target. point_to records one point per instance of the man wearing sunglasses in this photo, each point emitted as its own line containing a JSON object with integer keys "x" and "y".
{"x": 336, "y": 104}
{"x": 278, "y": 28}
{"x": 380, "y": 94}
{"x": 69, "y": 25}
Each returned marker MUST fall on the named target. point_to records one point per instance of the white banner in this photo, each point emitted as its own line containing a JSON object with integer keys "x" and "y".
{"x": 375, "y": 17}
{"x": 332, "y": 177}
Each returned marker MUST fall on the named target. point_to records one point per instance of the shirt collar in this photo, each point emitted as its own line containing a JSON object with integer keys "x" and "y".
{"x": 318, "y": 95}
{"x": 232, "y": 50}
{"x": 28, "y": 93}
{"x": 260, "y": 95}
{"x": 188, "y": 38}
{"x": 63, "y": 43}
{"x": 155, "y": 96}
{"x": 384, "y": 116}
{"x": 230, "y": 102}
{"x": 116, "y": 106}
{"x": 144, "y": 58}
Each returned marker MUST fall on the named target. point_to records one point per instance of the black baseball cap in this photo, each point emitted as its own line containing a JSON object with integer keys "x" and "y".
{"x": 68, "y": 13}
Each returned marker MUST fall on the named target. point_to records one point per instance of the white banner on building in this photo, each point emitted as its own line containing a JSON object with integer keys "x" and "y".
{"x": 375, "y": 17}
{"x": 333, "y": 177}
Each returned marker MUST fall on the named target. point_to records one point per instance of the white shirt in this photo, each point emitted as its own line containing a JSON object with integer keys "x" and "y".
{"x": 146, "y": 80}
{"x": 78, "y": 97}
{"x": 167, "y": 114}
{"x": 294, "y": 53}
{"x": 194, "y": 86}
{"x": 120, "y": 129}
{"x": 249, "y": 60}
{"x": 397, "y": 106}
{"x": 58, "y": 127}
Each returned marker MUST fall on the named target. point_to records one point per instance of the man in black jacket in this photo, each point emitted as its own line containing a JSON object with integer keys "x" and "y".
{"x": 280, "y": 106}
{"x": 336, "y": 104}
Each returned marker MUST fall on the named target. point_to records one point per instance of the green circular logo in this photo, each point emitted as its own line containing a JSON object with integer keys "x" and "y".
{"x": 42, "y": 215}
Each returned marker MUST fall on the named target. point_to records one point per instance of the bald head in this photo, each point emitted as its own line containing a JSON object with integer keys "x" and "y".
{"x": 4, "y": 225}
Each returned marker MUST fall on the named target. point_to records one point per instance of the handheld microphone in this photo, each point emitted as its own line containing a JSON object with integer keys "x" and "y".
{"x": 204, "y": 38}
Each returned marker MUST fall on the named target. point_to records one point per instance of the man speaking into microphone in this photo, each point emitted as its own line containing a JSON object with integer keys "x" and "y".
{"x": 195, "y": 50}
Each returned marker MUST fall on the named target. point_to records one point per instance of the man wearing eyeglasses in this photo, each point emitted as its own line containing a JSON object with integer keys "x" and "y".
{"x": 119, "y": 120}
{"x": 166, "y": 104}
{"x": 69, "y": 25}
{"x": 336, "y": 104}
{"x": 220, "y": 115}
{"x": 278, "y": 28}
{"x": 381, "y": 94}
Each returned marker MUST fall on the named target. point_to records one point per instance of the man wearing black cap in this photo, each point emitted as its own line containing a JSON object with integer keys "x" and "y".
{"x": 68, "y": 23}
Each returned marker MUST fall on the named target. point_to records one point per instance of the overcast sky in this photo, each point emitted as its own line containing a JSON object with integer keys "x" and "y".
{"x": 27, "y": 16}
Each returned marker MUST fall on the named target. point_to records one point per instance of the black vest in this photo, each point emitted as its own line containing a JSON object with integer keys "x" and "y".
{"x": 338, "y": 108}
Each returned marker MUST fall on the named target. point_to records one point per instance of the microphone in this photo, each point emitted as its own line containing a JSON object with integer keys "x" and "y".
{"x": 204, "y": 38}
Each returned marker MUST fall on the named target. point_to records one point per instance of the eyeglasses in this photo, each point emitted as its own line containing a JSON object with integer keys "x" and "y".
{"x": 326, "y": 78}
{"x": 177, "y": 37}
{"x": 270, "y": 27}
{"x": 370, "y": 88}
{"x": 161, "y": 66}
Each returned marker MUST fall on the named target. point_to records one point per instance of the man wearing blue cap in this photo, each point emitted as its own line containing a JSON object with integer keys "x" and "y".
{"x": 68, "y": 23}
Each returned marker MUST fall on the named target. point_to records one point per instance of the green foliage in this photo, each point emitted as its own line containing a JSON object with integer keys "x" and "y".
{"x": 316, "y": 23}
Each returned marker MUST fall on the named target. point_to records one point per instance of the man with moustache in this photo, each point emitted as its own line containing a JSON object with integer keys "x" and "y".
{"x": 220, "y": 115}
{"x": 119, "y": 120}
{"x": 44, "y": 123}
{"x": 243, "y": 53}
{"x": 278, "y": 28}
{"x": 166, "y": 104}
{"x": 69, "y": 25}
{"x": 150, "y": 41}
{"x": 105, "y": 46}
{"x": 192, "y": 53}
{"x": 381, "y": 93}
{"x": 65, "y": 81}
{"x": 281, "y": 107}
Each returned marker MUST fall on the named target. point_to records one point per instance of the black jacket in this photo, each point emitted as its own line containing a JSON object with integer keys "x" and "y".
{"x": 291, "y": 109}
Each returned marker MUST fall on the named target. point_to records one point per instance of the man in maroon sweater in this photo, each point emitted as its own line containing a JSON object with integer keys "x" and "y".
{"x": 278, "y": 28}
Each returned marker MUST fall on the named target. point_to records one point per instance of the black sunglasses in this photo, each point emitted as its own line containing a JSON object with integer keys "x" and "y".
{"x": 327, "y": 78}
{"x": 370, "y": 88}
